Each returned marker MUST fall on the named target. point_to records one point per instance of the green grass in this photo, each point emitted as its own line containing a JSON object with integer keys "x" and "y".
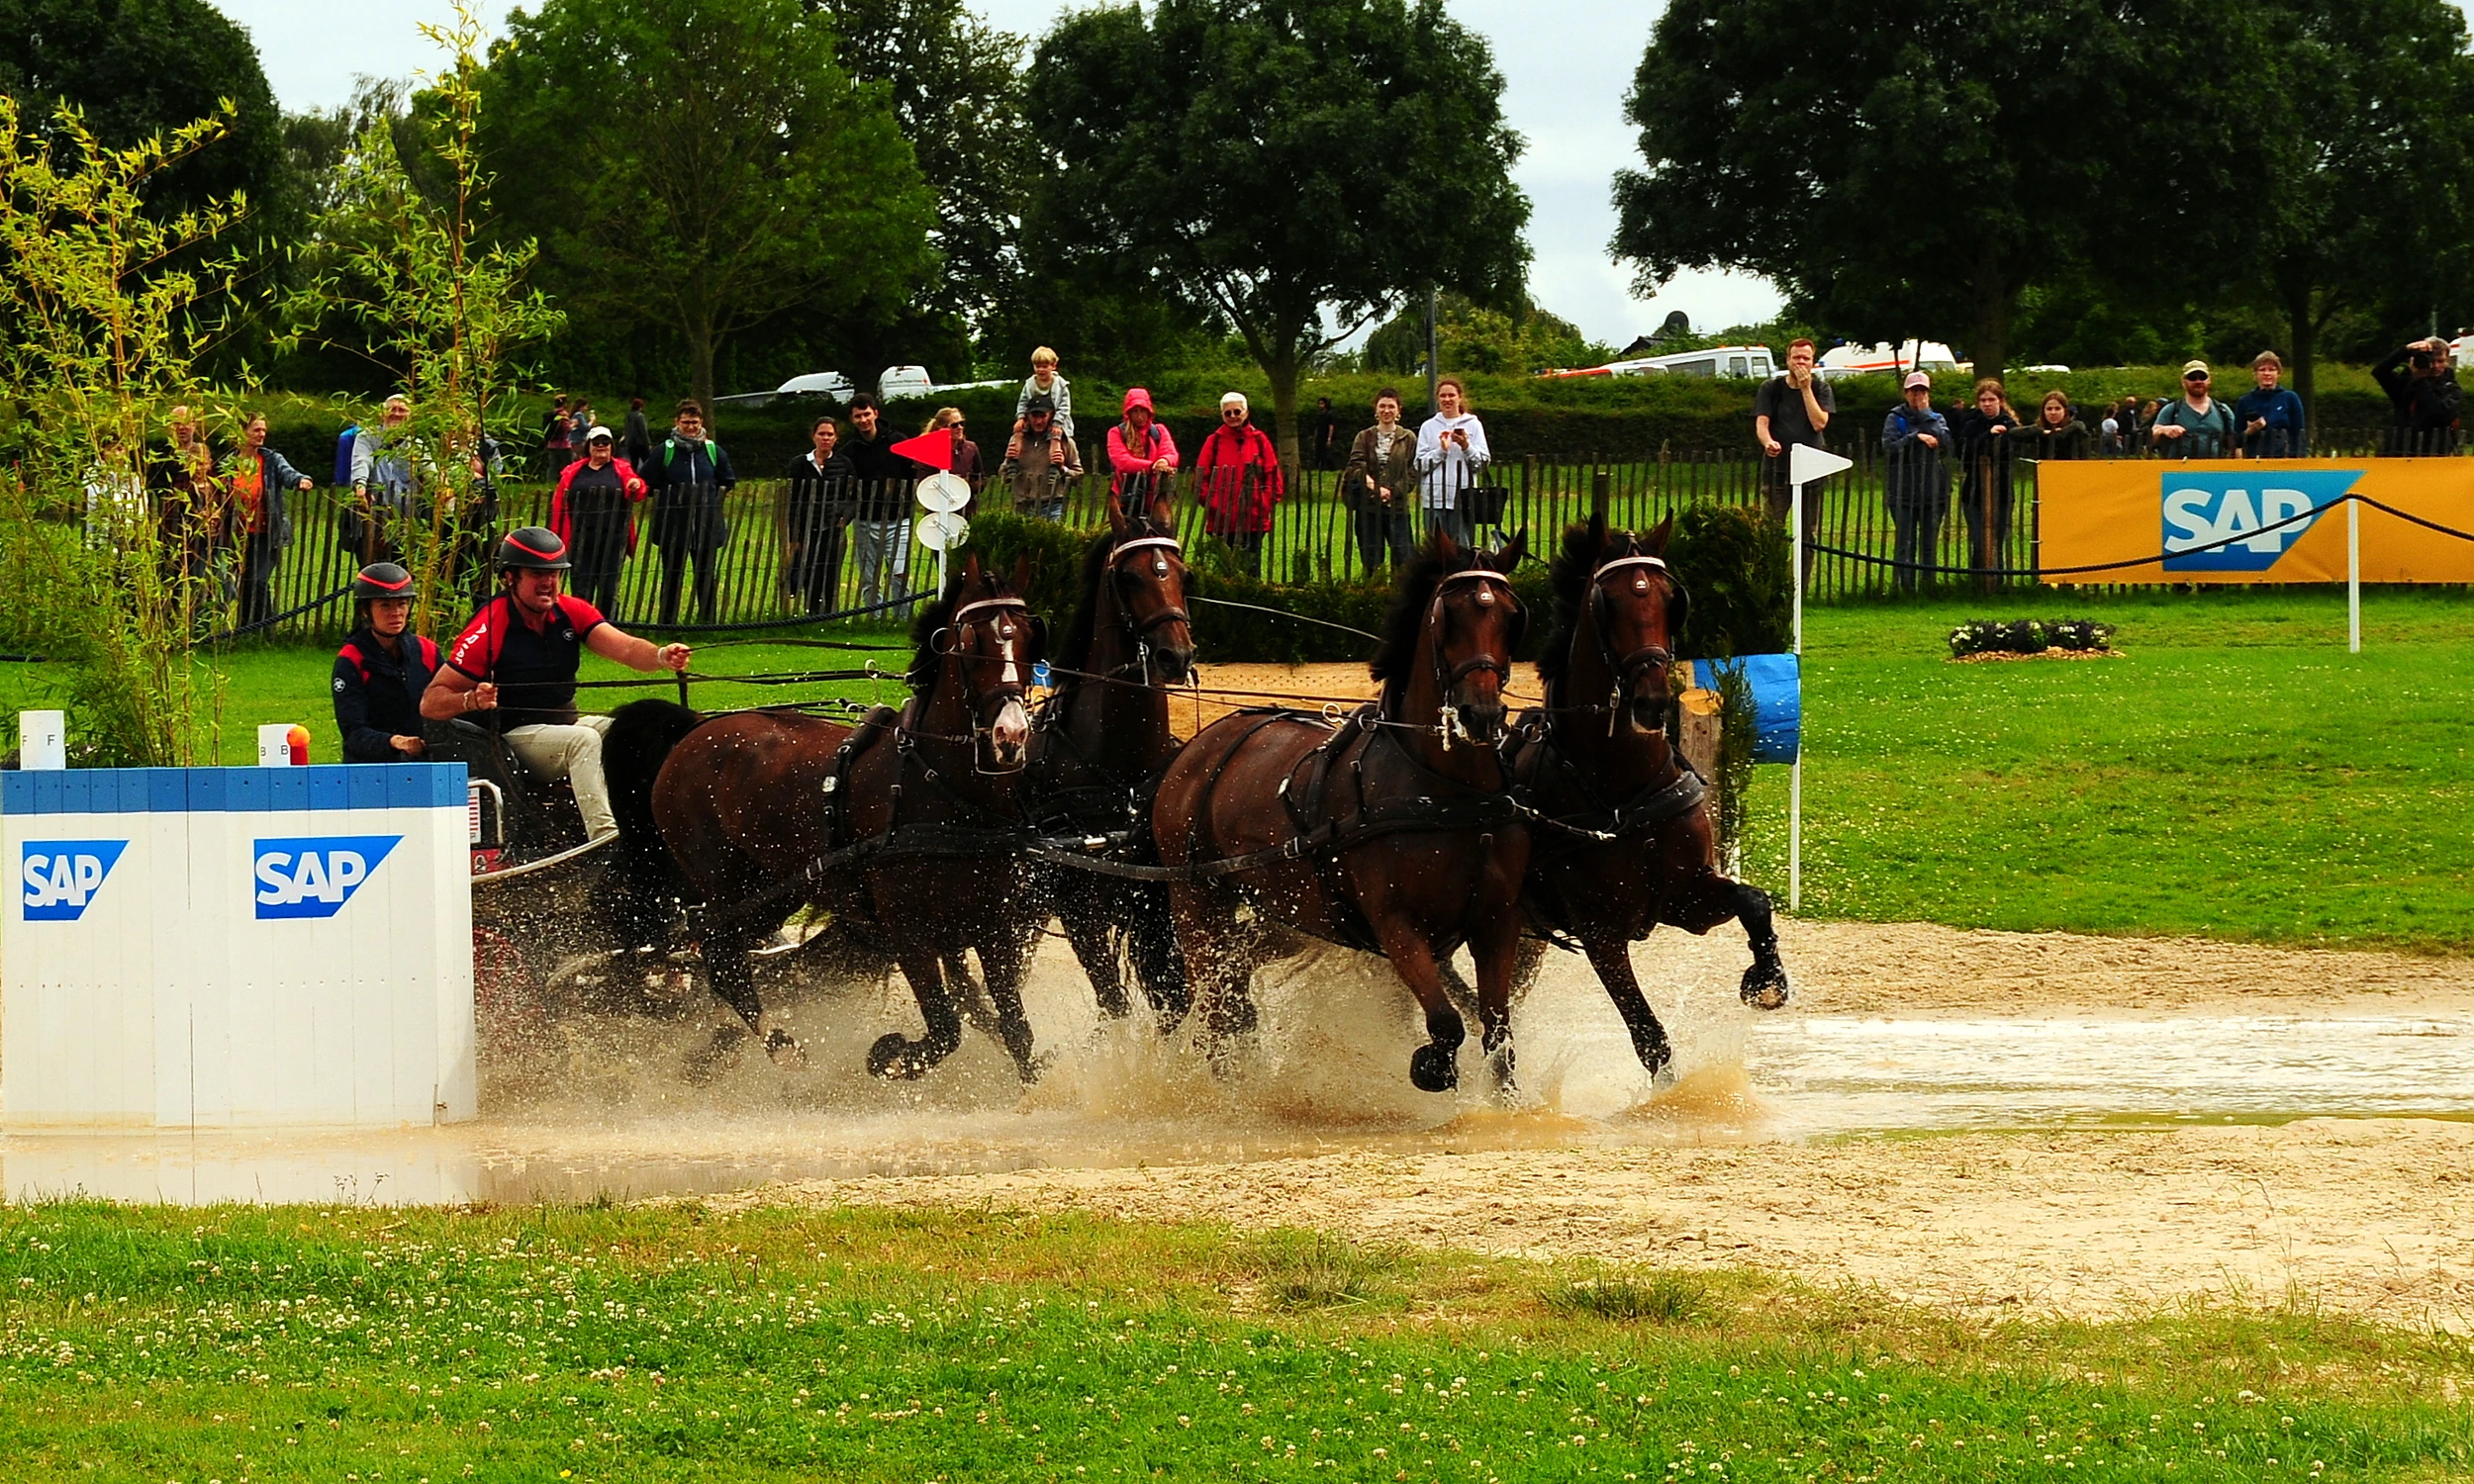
{"x": 285, "y": 682}
{"x": 2238, "y": 775}
{"x": 629, "y": 1345}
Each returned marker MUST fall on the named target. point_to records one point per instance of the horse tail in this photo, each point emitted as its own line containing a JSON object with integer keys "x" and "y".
{"x": 641, "y": 735}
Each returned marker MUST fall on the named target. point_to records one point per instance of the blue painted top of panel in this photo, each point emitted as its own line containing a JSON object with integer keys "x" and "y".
{"x": 233, "y": 790}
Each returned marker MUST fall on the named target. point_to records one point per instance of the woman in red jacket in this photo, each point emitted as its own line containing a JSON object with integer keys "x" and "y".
{"x": 1238, "y": 478}
{"x": 593, "y": 513}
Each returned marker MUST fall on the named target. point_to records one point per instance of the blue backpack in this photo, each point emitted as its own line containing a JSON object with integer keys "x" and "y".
{"x": 344, "y": 455}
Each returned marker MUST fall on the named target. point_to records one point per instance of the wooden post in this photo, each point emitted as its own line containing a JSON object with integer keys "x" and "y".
{"x": 1599, "y": 481}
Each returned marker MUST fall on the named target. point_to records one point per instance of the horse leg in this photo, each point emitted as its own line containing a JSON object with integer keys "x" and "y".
{"x": 1611, "y": 956}
{"x": 1497, "y": 948}
{"x": 1219, "y": 954}
{"x": 1151, "y": 941}
{"x": 733, "y": 982}
{"x": 1435, "y": 1066}
{"x": 1709, "y": 899}
{"x": 1003, "y": 957}
{"x": 895, "y": 1055}
{"x": 1080, "y": 909}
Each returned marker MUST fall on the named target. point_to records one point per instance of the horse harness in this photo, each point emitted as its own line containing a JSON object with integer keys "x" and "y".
{"x": 1629, "y": 667}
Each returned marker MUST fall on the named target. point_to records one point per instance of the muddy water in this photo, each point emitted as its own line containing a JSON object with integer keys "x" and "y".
{"x": 600, "y": 1107}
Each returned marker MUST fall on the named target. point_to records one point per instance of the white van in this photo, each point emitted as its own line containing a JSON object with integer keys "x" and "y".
{"x": 1742, "y": 362}
{"x": 1869, "y": 360}
{"x": 900, "y": 383}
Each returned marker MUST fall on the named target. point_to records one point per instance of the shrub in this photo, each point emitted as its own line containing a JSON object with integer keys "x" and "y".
{"x": 1734, "y": 563}
{"x": 2028, "y": 635}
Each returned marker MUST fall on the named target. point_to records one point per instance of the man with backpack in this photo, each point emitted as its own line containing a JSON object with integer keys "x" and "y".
{"x": 691, "y": 478}
{"x": 2198, "y": 426}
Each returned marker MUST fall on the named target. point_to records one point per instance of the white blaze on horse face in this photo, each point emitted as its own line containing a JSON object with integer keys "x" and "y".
{"x": 1004, "y": 646}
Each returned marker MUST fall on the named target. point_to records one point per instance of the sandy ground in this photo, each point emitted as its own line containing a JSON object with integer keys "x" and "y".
{"x": 2369, "y": 1215}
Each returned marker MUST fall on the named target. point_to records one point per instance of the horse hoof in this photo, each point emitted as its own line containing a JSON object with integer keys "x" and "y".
{"x": 1766, "y": 986}
{"x": 1663, "y": 1075}
{"x": 784, "y": 1050}
{"x": 1432, "y": 1068}
{"x": 1658, "y": 1060}
{"x": 894, "y": 1056}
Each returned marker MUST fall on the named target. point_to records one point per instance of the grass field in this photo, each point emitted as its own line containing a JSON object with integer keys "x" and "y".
{"x": 2237, "y": 774}
{"x": 332, "y": 1345}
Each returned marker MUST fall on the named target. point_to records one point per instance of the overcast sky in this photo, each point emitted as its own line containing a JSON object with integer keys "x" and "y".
{"x": 1568, "y": 64}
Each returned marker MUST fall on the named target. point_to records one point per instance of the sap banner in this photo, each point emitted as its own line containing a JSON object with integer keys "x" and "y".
{"x": 2111, "y": 511}
{"x": 236, "y": 947}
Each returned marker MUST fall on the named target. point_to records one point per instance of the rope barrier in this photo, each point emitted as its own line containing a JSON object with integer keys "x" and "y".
{"x": 2219, "y": 544}
{"x": 1222, "y": 603}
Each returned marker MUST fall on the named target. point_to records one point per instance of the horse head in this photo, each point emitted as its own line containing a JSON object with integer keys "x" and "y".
{"x": 992, "y": 642}
{"x": 1472, "y": 625}
{"x": 1146, "y": 567}
{"x": 1636, "y": 611}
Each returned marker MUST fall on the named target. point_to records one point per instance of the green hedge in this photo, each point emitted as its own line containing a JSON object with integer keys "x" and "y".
{"x": 1734, "y": 564}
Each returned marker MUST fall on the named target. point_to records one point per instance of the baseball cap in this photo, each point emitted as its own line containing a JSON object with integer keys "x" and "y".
{"x": 596, "y": 431}
{"x": 1913, "y": 380}
{"x": 2194, "y": 368}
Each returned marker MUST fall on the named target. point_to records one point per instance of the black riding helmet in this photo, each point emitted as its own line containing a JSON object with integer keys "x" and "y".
{"x": 383, "y": 579}
{"x": 532, "y": 550}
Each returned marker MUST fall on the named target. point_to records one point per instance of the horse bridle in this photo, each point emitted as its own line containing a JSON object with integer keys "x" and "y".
{"x": 984, "y": 706}
{"x": 1446, "y": 679}
{"x": 1647, "y": 657}
{"x": 1141, "y": 632}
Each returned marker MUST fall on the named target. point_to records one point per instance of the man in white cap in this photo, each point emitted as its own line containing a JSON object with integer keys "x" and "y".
{"x": 1238, "y": 478}
{"x": 1915, "y": 441}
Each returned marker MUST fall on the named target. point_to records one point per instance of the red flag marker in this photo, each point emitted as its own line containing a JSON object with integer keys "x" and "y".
{"x": 934, "y": 449}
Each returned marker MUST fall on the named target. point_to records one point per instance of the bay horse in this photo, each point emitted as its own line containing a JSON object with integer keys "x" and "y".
{"x": 1101, "y": 743}
{"x": 727, "y": 814}
{"x": 1622, "y": 840}
{"x": 931, "y": 806}
{"x": 1394, "y": 833}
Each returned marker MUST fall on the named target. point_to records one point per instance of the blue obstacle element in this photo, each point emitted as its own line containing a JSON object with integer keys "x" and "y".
{"x": 1777, "y": 682}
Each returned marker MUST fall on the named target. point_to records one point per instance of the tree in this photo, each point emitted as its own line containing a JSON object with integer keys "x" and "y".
{"x": 107, "y": 300}
{"x": 2373, "y": 173}
{"x": 404, "y": 263}
{"x": 1295, "y": 166}
{"x": 1917, "y": 178}
{"x": 704, "y": 164}
{"x": 1476, "y": 338}
{"x": 134, "y": 69}
{"x": 957, "y": 90}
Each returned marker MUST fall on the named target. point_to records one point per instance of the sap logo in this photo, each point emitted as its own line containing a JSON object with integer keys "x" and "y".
{"x": 316, "y": 876}
{"x": 61, "y": 876}
{"x": 2202, "y": 509}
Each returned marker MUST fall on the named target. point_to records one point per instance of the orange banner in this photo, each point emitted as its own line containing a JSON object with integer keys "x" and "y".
{"x": 2209, "y": 519}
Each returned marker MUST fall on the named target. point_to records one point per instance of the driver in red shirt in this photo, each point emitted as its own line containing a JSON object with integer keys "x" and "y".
{"x": 526, "y": 644}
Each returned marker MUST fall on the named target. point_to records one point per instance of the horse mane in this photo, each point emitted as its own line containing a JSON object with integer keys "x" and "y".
{"x": 1406, "y": 619}
{"x": 924, "y": 625}
{"x": 1075, "y": 653}
{"x": 1567, "y": 579}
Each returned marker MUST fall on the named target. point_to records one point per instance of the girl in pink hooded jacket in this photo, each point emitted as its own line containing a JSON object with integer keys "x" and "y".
{"x": 1139, "y": 445}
